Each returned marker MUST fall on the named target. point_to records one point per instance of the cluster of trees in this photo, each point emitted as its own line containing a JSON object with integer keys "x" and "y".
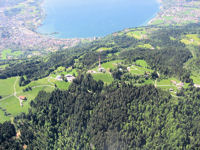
{"x": 23, "y": 81}
{"x": 8, "y": 136}
{"x": 27, "y": 89}
{"x": 119, "y": 116}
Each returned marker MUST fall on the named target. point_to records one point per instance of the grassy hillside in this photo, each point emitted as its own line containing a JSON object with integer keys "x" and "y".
{"x": 132, "y": 55}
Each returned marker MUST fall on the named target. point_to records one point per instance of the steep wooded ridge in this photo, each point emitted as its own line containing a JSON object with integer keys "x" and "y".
{"x": 118, "y": 116}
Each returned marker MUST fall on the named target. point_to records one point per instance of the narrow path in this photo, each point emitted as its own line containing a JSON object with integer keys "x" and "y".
{"x": 15, "y": 93}
{"x": 155, "y": 83}
{"x": 50, "y": 81}
{"x": 6, "y": 97}
{"x": 163, "y": 85}
{"x": 42, "y": 86}
{"x": 134, "y": 68}
{"x": 14, "y": 86}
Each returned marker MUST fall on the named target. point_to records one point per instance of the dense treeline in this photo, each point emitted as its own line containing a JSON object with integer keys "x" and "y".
{"x": 8, "y": 138}
{"x": 168, "y": 61}
{"x": 119, "y": 116}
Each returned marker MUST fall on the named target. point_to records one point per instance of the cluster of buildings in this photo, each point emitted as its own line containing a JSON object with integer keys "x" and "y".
{"x": 69, "y": 77}
{"x": 178, "y": 85}
{"x": 18, "y": 31}
{"x": 197, "y": 85}
{"x": 180, "y": 12}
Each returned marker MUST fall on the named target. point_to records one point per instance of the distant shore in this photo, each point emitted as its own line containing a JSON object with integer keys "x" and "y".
{"x": 154, "y": 16}
{"x": 44, "y": 30}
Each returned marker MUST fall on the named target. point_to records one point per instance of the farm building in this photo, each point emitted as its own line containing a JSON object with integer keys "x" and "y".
{"x": 197, "y": 85}
{"x": 91, "y": 71}
{"x": 69, "y": 77}
{"x": 59, "y": 78}
{"x": 22, "y": 98}
{"x": 102, "y": 70}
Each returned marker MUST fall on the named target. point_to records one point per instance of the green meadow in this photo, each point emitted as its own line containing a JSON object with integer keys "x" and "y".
{"x": 10, "y": 104}
{"x": 105, "y": 77}
{"x": 8, "y": 52}
{"x": 138, "y": 34}
{"x": 191, "y": 39}
{"x": 7, "y": 86}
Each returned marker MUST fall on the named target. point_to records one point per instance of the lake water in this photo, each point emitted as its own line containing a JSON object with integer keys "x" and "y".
{"x": 95, "y": 18}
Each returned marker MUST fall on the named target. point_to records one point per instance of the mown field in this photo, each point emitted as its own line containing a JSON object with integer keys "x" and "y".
{"x": 9, "y": 104}
{"x": 5, "y": 54}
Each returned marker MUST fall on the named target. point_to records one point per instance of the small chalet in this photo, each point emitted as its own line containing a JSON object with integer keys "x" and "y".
{"x": 91, "y": 71}
{"x": 69, "y": 77}
{"x": 102, "y": 70}
{"x": 22, "y": 98}
{"x": 174, "y": 82}
{"x": 197, "y": 85}
{"x": 59, "y": 78}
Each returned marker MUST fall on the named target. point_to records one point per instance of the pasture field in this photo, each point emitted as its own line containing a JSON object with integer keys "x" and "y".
{"x": 105, "y": 77}
{"x": 167, "y": 84}
{"x": 62, "y": 85}
{"x": 10, "y": 105}
{"x": 196, "y": 79}
{"x": 142, "y": 63}
{"x": 146, "y": 46}
{"x": 158, "y": 21}
{"x": 149, "y": 81}
{"x": 6, "y": 86}
{"x": 191, "y": 39}
{"x": 4, "y": 66}
{"x": 137, "y": 70}
{"x": 103, "y": 49}
{"x": 8, "y": 52}
{"x": 109, "y": 65}
{"x": 63, "y": 70}
{"x": 138, "y": 34}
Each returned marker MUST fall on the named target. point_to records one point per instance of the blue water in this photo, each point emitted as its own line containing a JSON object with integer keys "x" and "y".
{"x": 95, "y": 18}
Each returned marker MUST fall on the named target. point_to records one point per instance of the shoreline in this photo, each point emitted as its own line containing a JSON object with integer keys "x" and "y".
{"x": 23, "y": 35}
{"x": 50, "y": 35}
{"x": 160, "y": 3}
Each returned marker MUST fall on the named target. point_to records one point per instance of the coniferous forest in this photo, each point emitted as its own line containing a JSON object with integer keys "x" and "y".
{"x": 120, "y": 116}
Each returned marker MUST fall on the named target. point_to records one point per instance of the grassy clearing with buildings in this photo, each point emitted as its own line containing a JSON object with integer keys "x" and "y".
{"x": 10, "y": 105}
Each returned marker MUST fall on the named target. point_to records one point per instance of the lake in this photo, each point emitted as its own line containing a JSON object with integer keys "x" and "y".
{"x": 94, "y": 18}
